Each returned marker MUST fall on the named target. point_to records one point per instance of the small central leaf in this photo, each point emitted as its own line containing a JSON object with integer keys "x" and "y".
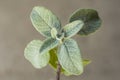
{"x": 70, "y": 58}
{"x": 53, "y": 33}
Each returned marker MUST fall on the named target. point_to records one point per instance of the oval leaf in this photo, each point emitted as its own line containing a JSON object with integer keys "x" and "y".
{"x": 54, "y": 60}
{"x": 48, "y": 44}
{"x": 90, "y": 18}
{"x": 70, "y": 58}
{"x": 31, "y": 53}
{"x": 72, "y": 28}
{"x": 44, "y": 20}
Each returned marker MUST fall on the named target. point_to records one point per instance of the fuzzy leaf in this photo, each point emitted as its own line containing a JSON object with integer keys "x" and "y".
{"x": 31, "y": 53}
{"x": 48, "y": 44}
{"x": 72, "y": 28}
{"x": 86, "y": 62}
{"x": 70, "y": 58}
{"x": 44, "y": 20}
{"x": 91, "y": 20}
{"x": 54, "y": 60}
{"x": 53, "y": 33}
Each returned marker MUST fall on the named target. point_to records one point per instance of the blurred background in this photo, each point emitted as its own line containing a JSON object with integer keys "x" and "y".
{"x": 16, "y": 31}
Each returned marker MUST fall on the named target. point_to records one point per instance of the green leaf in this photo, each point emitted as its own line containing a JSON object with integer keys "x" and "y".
{"x": 31, "y": 53}
{"x": 70, "y": 58}
{"x": 54, "y": 33}
{"x": 86, "y": 62}
{"x": 91, "y": 20}
{"x": 44, "y": 20}
{"x": 48, "y": 44}
{"x": 53, "y": 58}
{"x": 72, "y": 28}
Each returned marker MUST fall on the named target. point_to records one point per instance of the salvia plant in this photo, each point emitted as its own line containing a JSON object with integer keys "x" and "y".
{"x": 59, "y": 49}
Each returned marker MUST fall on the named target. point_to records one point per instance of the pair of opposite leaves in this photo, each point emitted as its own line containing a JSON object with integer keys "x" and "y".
{"x": 82, "y": 22}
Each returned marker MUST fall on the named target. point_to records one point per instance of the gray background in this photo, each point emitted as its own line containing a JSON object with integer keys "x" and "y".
{"x": 16, "y": 31}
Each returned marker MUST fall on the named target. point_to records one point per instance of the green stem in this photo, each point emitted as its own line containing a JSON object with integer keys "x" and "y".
{"x": 58, "y": 71}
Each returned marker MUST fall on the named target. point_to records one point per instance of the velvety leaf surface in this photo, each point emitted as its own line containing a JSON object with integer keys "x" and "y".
{"x": 72, "y": 28}
{"x": 32, "y": 54}
{"x": 48, "y": 44}
{"x": 44, "y": 20}
{"x": 54, "y": 60}
{"x": 90, "y": 18}
{"x": 70, "y": 58}
{"x": 53, "y": 33}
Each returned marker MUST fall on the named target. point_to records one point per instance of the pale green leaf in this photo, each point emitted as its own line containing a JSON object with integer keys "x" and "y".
{"x": 48, "y": 44}
{"x": 54, "y": 61}
{"x": 86, "y": 62}
{"x": 31, "y": 53}
{"x": 72, "y": 28}
{"x": 44, "y": 20}
{"x": 70, "y": 58}
{"x": 91, "y": 20}
{"x": 54, "y": 33}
